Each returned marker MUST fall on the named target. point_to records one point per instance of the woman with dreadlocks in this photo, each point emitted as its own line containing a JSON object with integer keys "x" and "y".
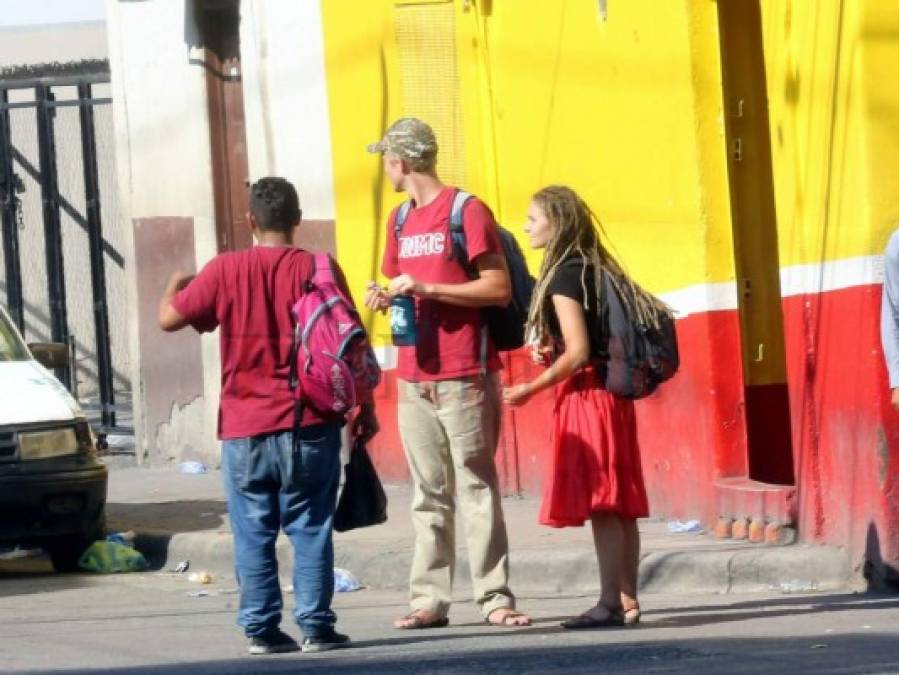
{"x": 595, "y": 471}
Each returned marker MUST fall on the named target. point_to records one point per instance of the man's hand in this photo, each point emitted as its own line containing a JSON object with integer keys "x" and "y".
{"x": 179, "y": 280}
{"x": 403, "y": 285}
{"x": 895, "y": 398}
{"x": 376, "y": 298}
{"x": 490, "y": 289}
{"x": 365, "y": 424}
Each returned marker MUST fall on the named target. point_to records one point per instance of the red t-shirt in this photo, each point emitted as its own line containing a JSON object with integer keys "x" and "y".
{"x": 248, "y": 295}
{"x": 448, "y": 337}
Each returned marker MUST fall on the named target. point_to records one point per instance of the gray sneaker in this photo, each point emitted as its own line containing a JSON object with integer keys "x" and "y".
{"x": 272, "y": 641}
{"x": 325, "y": 641}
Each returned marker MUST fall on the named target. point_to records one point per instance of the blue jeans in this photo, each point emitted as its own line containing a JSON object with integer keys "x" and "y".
{"x": 270, "y": 484}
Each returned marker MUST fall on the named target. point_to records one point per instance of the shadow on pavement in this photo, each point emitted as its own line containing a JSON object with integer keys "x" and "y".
{"x": 157, "y": 522}
{"x": 790, "y": 600}
{"x": 698, "y": 615}
{"x": 830, "y": 655}
{"x": 28, "y": 576}
{"x": 166, "y": 517}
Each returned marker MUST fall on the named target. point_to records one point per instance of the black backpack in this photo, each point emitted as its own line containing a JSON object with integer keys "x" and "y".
{"x": 505, "y": 324}
{"x": 640, "y": 357}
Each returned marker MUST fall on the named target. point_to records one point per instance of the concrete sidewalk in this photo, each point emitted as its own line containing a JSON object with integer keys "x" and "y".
{"x": 184, "y": 517}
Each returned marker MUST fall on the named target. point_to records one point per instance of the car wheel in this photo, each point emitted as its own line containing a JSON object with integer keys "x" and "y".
{"x": 65, "y": 551}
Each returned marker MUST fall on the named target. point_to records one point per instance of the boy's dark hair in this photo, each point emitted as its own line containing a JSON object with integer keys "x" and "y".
{"x": 275, "y": 204}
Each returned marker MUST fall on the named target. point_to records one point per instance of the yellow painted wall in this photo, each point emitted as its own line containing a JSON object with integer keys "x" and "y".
{"x": 612, "y": 109}
{"x": 834, "y": 112}
{"x": 358, "y": 102}
{"x": 627, "y": 111}
{"x": 879, "y": 60}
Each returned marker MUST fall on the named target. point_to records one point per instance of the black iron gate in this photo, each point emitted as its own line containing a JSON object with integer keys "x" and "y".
{"x": 40, "y": 95}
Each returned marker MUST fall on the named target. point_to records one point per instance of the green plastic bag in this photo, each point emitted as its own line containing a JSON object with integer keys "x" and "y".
{"x": 108, "y": 557}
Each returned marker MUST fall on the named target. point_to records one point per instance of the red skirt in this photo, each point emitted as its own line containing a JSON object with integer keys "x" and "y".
{"x": 595, "y": 462}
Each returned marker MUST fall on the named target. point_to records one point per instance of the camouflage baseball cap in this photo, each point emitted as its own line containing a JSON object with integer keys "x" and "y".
{"x": 407, "y": 137}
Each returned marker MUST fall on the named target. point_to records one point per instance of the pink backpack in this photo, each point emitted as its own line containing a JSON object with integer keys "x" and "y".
{"x": 332, "y": 363}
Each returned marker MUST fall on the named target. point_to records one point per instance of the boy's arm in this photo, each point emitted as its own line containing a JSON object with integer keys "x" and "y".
{"x": 170, "y": 319}
{"x": 365, "y": 423}
{"x": 191, "y": 300}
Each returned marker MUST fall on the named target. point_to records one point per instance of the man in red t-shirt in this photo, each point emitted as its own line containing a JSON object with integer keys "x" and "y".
{"x": 273, "y": 478}
{"x": 449, "y": 401}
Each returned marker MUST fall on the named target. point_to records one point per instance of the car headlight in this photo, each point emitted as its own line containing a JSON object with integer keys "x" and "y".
{"x": 87, "y": 439}
{"x": 47, "y": 443}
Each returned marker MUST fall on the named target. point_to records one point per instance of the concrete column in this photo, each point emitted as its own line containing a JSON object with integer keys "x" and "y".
{"x": 165, "y": 180}
{"x": 286, "y": 107}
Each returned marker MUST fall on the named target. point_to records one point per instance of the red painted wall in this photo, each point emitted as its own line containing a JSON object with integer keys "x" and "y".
{"x": 845, "y": 433}
{"x": 692, "y": 431}
{"x": 386, "y": 449}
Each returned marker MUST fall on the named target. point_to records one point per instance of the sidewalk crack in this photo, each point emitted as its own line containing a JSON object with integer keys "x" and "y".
{"x": 730, "y": 573}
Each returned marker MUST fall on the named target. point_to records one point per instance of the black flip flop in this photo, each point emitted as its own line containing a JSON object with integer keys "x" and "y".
{"x": 585, "y": 621}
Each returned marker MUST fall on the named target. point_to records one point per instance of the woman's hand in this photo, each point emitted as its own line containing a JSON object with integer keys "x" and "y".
{"x": 518, "y": 395}
{"x": 541, "y": 354}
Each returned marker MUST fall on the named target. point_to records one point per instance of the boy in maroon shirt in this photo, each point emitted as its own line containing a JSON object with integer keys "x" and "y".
{"x": 273, "y": 479}
{"x": 449, "y": 401}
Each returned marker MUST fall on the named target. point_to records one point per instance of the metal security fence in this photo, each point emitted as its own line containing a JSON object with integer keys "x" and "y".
{"x": 62, "y": 272}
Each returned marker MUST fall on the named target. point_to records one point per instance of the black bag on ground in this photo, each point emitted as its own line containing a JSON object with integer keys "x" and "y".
{"x": 641, "y": 355}
{"x": 363, "y": 502}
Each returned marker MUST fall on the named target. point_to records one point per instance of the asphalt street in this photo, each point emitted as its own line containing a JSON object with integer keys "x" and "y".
{"x": 156, "y": 623}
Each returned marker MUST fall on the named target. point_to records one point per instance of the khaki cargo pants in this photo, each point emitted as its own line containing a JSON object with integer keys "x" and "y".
{"x": 450, "y": 431}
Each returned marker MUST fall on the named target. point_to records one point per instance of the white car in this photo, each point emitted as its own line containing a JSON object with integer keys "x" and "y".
{"x": 52, "y": 486}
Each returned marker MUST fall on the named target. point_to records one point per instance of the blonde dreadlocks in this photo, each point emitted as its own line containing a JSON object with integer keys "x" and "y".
{"x": 576, "y": 232}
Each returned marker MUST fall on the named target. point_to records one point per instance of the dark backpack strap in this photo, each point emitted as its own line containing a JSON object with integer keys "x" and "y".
{"x": 460, "y": 249}
{"x": 459, "y": 200}
{"x": 402, "y": 213}
{"x": 457, "y": 232}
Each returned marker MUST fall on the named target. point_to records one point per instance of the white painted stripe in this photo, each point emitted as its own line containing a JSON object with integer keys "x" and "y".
{"x": 812, "y": 278}
{"x": 702, "y": 298}
{"x": 832, "y": 275}
{"x": 387, "y": 356}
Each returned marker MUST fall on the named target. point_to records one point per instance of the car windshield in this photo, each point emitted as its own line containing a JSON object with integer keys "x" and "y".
{"x": 11, "y": 346}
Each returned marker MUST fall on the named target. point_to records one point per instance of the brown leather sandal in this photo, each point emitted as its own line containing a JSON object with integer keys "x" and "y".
{"x": 416, "y": 621}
